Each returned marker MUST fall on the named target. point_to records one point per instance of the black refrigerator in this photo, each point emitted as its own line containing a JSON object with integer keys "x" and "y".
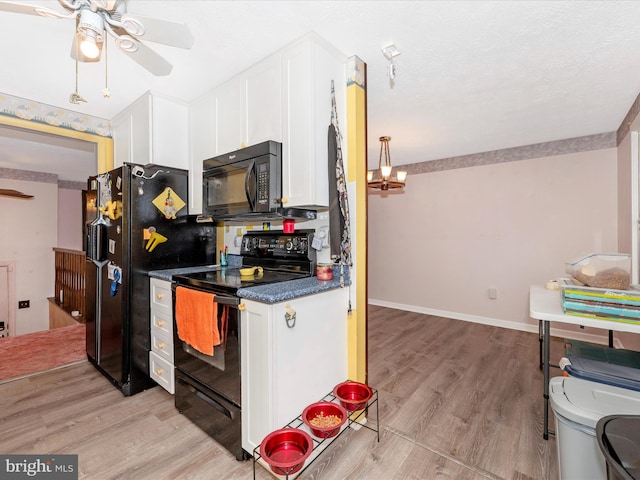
{"x": 136, "y": 220}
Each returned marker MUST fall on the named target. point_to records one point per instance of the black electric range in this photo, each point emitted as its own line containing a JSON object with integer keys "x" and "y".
{"x": 208, "y": 385}
{"x": 282, "y": 257}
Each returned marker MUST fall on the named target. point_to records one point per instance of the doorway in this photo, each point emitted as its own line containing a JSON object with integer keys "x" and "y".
{"x": 7, "y": 299}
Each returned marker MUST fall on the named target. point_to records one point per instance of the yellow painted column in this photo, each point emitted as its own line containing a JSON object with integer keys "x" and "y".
{"x": 356, "y": 182}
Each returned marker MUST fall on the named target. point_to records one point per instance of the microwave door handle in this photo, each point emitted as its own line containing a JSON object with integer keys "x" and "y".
{"x": 247, "y": 179}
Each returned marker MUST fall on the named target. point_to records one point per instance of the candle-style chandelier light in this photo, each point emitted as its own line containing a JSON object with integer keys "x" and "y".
{"x": 383, "y": 179}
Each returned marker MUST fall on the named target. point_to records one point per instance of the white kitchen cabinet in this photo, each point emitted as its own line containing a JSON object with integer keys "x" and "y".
{"x": 308, "y": 67}
{"x": 161, "y": 366}
{"x": 154, "y": 129}
{"x": 285, "y": 368}
{"x": 263, "y": 101}
{"x": 202, "y": 122}
{"x": 285, "y": 98}
{"x": 242, "y": 111}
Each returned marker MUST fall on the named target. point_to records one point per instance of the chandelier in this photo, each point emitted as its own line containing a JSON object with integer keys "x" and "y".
{"x": 382, "y": 178}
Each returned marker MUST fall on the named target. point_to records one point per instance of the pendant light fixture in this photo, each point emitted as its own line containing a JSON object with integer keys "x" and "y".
{"x": 383, "y": 179}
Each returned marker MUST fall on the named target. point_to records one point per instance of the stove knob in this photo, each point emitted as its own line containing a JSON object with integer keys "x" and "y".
{"x": 289, "y": 246}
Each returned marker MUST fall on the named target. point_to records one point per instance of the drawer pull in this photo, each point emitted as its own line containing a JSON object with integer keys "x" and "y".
{"x": 161, "y": 346}
{"x": 159, "y": 371}
{"x": 159, "y": 296}
{"x": 160, "y": 323}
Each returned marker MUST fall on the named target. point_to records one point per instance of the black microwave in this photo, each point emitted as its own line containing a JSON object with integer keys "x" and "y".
{"x": 244, "y": 183}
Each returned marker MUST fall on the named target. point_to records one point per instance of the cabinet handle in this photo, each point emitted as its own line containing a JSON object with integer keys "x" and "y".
{"x": 284, "y": 199}
{"x": 161, "y": 346}
{"x": 290, "y": 316}
{"x": 159, "y": 296}
{"x": 159, "y": 371}
{"x": 160, "y": 323}
{"x": 241, "y": 307}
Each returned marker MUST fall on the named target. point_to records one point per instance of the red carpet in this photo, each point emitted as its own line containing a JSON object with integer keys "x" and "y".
{"x": 35, "y": 352}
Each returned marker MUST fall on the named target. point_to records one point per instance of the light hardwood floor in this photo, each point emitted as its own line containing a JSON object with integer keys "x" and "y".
{"x": 457, "y": 401}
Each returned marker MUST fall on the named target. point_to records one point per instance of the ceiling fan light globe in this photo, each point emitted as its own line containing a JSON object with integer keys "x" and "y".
{"x": 89, "y": 48}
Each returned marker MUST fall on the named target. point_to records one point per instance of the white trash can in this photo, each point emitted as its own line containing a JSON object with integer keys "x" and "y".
{"x": 577, "y": 406}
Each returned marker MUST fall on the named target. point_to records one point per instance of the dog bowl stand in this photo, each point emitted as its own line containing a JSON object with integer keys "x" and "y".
{"x": 354, "y": 421}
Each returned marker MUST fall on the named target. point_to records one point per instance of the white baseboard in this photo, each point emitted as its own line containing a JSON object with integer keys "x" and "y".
{"x": 496, "y": 322}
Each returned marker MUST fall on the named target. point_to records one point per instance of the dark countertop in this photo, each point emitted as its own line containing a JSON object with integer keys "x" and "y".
{"x": 170, "y": 272}
{"x": 270, "y": 293}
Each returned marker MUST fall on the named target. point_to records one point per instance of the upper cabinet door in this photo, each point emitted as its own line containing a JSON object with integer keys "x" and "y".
{"x": 229, "y": 116}
{"x": 132, "y": 133}
{"x": 264, "y": 101}
{"x": 202, "y": 130}
{"x": 308, "y": 68}
{"x": 153, "y": 129}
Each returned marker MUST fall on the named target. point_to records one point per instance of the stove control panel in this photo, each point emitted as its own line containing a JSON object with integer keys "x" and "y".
{"x": 292, "y": 245}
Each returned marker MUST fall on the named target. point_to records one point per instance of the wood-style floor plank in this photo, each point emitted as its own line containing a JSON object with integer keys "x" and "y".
{"x": 457, "y": 400}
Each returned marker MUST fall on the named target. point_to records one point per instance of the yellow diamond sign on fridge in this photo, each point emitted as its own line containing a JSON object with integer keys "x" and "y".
{"x": 169, "y": 203}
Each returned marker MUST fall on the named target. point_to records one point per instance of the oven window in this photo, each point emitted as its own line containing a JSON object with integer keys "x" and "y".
{"x": 217, "y": 360}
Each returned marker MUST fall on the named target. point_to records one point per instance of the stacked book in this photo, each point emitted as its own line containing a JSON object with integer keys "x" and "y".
{"x": 602, "y": 303}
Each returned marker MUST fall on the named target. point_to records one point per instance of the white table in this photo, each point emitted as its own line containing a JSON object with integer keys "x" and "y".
{"x": 546, "y": 307}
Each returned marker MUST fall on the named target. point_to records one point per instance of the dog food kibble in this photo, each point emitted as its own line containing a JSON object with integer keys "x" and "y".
{"x": 322, "y": 421}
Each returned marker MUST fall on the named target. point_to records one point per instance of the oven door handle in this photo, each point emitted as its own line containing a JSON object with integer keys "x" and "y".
{"x": 224, "y": 300}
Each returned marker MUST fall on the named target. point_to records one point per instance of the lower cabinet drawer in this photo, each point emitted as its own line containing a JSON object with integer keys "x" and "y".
{"x": 162, "y": 372}
{"x": 162, "y": 344}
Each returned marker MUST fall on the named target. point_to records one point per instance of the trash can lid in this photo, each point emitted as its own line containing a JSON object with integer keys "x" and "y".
{"x": 586, "y": 402}
{"x": 619, "y": 440}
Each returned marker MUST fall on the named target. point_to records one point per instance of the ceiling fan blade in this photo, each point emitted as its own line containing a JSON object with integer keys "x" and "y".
{"x": 75, "y": 50}
{"x": 7, "y": 192}
{"x": 158, "y": 31}
{"x": 33, "y": 10}
{"x": 143, "y": 55}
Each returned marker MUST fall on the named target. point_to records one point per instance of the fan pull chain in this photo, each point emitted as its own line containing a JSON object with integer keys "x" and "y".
{"x": 75, "y": 97}
{"x": 106, "y": 93}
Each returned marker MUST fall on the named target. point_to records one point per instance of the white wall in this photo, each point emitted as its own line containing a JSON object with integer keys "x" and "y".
{"x": 438, "y": 247}
{"x": 29, "y": 233}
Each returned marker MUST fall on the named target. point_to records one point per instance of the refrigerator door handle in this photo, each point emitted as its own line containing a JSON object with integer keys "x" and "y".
{"x": 96, "y": 241}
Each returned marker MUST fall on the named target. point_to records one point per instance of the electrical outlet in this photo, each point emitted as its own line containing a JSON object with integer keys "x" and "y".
{"x": 23, "y": 304}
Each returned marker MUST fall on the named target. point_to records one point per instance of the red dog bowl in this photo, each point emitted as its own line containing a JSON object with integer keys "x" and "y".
{"x": 286, "y": 450}
{"x": 324, "y": 419}
{"x": 353, "y": 395}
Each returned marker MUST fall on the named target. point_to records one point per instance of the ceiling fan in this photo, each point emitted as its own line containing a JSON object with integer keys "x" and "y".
{"x": 97, "y": 18}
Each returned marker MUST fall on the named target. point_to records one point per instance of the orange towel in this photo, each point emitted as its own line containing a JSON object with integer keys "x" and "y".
{"x": 196, "y": 319}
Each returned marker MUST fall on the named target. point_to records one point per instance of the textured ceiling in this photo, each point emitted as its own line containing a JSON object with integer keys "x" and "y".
{"x": 472, "y": 76}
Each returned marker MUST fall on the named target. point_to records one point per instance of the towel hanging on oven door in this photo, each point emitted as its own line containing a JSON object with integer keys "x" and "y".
{"x": 339, "y": 222}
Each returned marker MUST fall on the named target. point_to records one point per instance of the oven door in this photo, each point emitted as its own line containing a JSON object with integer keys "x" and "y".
{"x": 219, "y": 372}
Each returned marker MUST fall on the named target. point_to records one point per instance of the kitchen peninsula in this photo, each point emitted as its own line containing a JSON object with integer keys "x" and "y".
{"x": 282, "y": 324}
